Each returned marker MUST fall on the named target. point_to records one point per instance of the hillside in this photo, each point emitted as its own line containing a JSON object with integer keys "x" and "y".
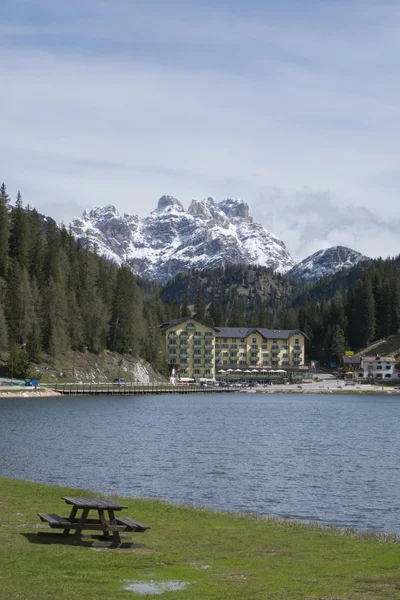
{"x": 88, "y": 367}
{"x": 236, "y": 294}
{"x": 388, "y": 347}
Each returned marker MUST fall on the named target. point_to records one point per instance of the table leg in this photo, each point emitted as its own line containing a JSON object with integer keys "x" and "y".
{"x": 103, "y": 523}
{"x": 81, "y": 523}
{"x": 116, "y": 537}
{"x": 71, "y": 517}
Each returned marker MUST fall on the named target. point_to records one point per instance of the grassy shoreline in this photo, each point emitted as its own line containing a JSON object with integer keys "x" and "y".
{"x": 218, "y": 555}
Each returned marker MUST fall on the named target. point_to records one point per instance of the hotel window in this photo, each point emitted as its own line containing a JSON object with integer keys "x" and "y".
{"x": 254, "y": 341}
{"x": 233, "y": 340}
{"x": 242, "y": 340}
{"x": 265, "y": 354}
{"x": 198, "y": 333}
{"x": 243, "y": 354}
{"x": 274, "y": 341}
{"x": 225, "y": 339}
{"x": 197, "y": 361}
{"x": 197, "y": 371}
{"x": 296, "y": 341}
{"x": 264, "y": 347}
{"x": 242, "y": 346}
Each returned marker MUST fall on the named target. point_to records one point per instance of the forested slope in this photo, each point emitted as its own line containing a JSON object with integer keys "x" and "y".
{"x": 56, "y": 295}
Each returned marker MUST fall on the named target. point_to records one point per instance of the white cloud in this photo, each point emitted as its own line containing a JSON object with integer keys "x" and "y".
{"x": 120, "y": 102}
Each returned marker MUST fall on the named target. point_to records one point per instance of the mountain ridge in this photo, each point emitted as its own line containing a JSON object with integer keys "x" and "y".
{"x": 172, "y": 239}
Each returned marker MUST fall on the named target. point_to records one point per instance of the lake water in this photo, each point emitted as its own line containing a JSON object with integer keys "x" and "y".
{"x": 325, "y": 458}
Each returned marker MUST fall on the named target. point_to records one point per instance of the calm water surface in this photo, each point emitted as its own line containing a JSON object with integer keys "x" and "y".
{"x": 332, "y": 459}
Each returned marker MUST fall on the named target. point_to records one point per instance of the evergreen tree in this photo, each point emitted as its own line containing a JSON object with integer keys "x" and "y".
{"x": 184, "y": 311}
{"x": 3, "y": 332}
{"x": 4, "y": 229}
{"x": 19, "y": 240}
{"x": 200, "y": 306}
{"x": 338, "y": 344}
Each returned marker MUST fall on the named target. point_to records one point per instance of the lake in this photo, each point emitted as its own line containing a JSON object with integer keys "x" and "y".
{"x": 321, "y": 458}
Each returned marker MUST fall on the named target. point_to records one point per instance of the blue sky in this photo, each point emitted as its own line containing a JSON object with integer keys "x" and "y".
{"x": 292, "y": 106}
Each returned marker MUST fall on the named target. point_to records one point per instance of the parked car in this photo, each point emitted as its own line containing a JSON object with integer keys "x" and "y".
{"x": 119, "y": 381}
{"x": 32, "y": 383}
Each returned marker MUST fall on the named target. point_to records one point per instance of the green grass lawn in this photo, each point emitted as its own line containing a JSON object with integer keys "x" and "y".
{"x": 219, "y": 556}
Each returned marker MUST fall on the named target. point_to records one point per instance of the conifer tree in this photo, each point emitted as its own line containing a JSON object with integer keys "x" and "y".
{"x": 4, "y": 229}
{"x": 184, "y": 311}
{"x": 19, "y": 241}
{"x": 3, "y": 332}
{"x": 200, "y": 306}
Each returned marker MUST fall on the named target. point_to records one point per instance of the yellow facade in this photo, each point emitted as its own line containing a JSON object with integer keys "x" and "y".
{"x": 256, "y": 350}
{"x": 191, "y": 346}
{"x": 196, "y": 350}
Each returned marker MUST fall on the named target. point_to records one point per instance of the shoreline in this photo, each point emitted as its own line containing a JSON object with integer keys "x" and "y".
{"x": 333, "y": 391}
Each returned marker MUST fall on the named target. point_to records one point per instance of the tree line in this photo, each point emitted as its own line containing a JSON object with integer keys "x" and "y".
{"x": 57, "y": 295}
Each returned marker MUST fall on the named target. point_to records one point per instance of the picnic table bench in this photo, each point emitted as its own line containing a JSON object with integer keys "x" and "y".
{"x": 106, "y": 523}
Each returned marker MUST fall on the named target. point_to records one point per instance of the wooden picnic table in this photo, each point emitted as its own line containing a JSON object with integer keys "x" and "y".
{"x": 106, "y": 523}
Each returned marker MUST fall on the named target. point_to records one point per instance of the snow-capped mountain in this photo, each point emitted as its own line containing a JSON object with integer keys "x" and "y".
{"x": 325, "y": 262}
{"x": 171, "y": 239}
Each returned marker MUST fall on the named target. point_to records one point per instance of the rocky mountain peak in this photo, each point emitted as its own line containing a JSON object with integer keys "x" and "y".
{"x": 326, "y": 262}
{"x": 101, "y": 212}
{"x": 235, "y": 208}
{"x": 165, "y": 202}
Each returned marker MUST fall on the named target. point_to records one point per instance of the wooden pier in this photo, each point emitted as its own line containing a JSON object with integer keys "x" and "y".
{"x": 132, "y": 389}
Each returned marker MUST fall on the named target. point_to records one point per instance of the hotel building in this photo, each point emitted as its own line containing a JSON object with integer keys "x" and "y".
{"x": 197, "y": 350}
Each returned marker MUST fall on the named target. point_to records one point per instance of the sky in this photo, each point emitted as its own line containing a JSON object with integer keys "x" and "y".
{"x": 292, "y": 106}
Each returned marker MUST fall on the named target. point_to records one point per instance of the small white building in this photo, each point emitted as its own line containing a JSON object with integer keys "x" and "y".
{"x": 379, "y": 367}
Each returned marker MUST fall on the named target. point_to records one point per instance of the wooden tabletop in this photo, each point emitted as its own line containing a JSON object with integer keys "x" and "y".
{"x": 96, "y": 503}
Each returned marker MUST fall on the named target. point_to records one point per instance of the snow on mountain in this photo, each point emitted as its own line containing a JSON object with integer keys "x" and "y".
{"x": 171, "y": 239}
{"x": 325, "y": 262}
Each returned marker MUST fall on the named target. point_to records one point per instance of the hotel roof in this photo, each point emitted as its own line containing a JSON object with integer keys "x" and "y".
{"x": 243, "y": 332}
